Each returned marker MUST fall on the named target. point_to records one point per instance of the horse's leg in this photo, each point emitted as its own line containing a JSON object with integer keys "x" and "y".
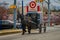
{"x": 29, "y": 29}
{"x": 23, "y": 32}
{"x": 23, "y": 29}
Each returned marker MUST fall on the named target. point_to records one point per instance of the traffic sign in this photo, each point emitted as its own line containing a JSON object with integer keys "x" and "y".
{"x": 13, "y": 6}
{"x": 39, "y": 0}
{"x": 32, "y": 4}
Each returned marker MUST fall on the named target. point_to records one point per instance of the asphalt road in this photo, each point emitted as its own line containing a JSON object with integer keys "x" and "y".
{"x": 51, "y": 34}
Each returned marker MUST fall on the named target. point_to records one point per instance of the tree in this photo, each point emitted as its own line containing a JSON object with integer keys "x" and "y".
{"x": 3, "y": 11}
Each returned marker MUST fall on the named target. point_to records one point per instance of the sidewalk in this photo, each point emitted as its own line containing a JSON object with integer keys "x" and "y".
{"x": 9, "y": 31}
{"x": 57, "y": 26}
{"x": 53, "y": 28}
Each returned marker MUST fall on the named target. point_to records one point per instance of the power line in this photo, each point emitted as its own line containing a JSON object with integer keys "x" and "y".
{"x": 57, "y": 1}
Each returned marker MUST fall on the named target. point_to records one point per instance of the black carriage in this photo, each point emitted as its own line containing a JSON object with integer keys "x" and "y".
{"x": 33, "y": 21}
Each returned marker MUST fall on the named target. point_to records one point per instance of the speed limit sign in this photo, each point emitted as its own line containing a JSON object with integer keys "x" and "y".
{"x": 32, "y": 4}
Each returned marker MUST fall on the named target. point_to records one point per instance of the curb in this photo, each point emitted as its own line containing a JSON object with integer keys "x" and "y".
{"x": 9, "y": 31}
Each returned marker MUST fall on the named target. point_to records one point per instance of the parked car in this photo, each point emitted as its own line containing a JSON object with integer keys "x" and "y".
{"x": 7, "y": 24}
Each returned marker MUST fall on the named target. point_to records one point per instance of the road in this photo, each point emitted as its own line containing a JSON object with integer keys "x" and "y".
{"x": 51, "y": 34}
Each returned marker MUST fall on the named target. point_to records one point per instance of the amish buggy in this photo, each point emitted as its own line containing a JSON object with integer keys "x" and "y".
{"x": 32, "y": 20}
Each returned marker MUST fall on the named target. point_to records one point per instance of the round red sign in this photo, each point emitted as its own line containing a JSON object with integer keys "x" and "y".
{"x": 32, "y": 4}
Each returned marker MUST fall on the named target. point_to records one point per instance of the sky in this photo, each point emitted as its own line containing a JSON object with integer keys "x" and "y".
{"x": 57, "y": 5}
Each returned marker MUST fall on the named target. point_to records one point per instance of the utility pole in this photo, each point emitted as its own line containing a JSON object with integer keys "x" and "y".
{"x": 15, "y": 15}
{"x": 49, "y": 13}
{"x": 22, "y": 8}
